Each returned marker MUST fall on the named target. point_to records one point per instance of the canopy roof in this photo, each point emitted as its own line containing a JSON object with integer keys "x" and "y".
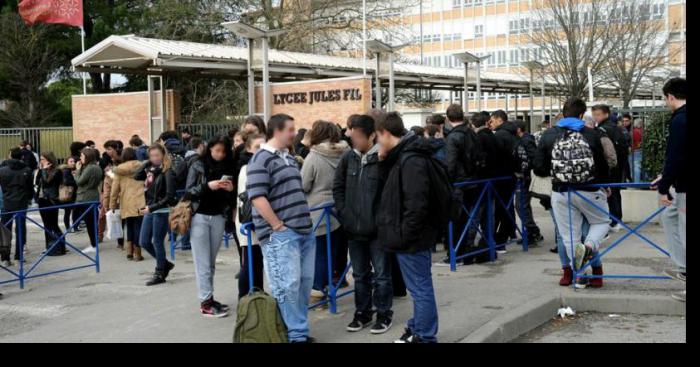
{"x": 146, "y": 56}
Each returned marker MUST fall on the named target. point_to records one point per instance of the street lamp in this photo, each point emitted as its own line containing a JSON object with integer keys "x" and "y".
{"x": 532, "y": 66}
{"x": 382, "y": 49}
{"x": 466, "y": 58}
{"x": 253, "y": 34}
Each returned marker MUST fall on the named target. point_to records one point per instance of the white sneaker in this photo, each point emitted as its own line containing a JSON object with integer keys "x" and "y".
{"x": 6, "y": 264}
{"x": 502, "y": 252}
{"x": 616, "y": 228}
{"x": 89, "y": 250}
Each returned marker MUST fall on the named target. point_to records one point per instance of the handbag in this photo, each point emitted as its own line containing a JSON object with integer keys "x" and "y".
{"x": 180, "y": 218}
{"x": 114, "y": 225}
{"x": 541, "y": 185}
{"x": 65, "y": 193}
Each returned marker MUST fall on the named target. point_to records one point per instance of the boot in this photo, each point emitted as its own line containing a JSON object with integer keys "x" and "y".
{"x": 157, "y": 278}
{"x": 137, "y": 254}
{"x": 596, "y": 282}
{"x": 568, "y": 278}
{"x": 129, "y": 250}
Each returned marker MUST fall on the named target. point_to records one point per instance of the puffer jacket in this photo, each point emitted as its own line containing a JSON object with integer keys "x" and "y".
{"x": 506, "y": 134}
{"x": 317, "y": 175}
{"x": 404, "y": 220}
{"x": 127, "y": 192}
{"x": 356, "y": 192}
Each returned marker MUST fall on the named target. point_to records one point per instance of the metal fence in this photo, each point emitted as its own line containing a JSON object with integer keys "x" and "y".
{"x": 208, "y": 131}
{"x": 55, "y": 139}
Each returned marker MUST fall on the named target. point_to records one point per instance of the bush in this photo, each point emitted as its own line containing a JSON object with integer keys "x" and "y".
{"x": 654, "y": 143}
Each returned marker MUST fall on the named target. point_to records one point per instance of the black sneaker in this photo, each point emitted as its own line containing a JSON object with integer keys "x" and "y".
{"x": 554, "y": 250}
{"x": 213, "y": 310}
{"x": 382, "y": 325}
{"x": 359, "y": 322}
{"x": 168, "y": 267}
{"x": 221, "y": 306}
{"x": 157, "y": 278}
{"x": 407, "y": 334}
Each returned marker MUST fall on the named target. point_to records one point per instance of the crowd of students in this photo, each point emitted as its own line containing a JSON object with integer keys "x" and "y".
{"x": 390, "y": 189}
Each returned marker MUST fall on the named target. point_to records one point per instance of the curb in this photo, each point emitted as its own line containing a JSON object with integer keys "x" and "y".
{"x": 535, "y": 313}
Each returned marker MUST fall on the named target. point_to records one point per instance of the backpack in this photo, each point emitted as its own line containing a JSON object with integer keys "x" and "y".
{"x": 245, "y": 210}
{"x": 180, "y": 169}
{"x": 475, "y": 157}
{"x": 258, "y": 320}
{"x": 572, "y": 159}
{"x": 180, "y": 217}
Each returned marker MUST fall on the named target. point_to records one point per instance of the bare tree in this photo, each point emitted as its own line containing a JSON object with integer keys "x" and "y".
{"x": 574, "y": 35}
{"x": 327, "y": 26}
{"x": 642, "y": 51}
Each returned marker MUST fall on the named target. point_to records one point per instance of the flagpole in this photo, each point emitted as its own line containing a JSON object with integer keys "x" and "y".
{"x": 82, "y": 42}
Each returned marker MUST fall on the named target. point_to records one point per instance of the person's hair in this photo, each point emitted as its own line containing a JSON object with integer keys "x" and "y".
{"x": 135, "y": 141}
{"x": 323, "y": 131}
{"x": 168, "y": 135}
{"x": 228, "y": 148}
{"x": 91, "y": 155}
{"x": 677, "y": 87}
{"x": 297, "y": 139}
{"x": 418, "y": 130}
{"x": 185, "y": 131}
{"x": 377, "y": 114}
{"x": 501, "y": 115}
{"x": 455, "y": 113}
{"x": 112, "y": 144}
{"x": 350, "y": 119}
{"x": 49, "y": 156}
{"x": 76, "y": 147}
{"x": 89, "y": 143}
{"x": 574, "y": 107}
{"x": 432, "y": 130}
{"x": 167, "y": 163}
{"x": 232, "y": 133}
{"x": 436, "y": 119}
{"x": 196, "y": 142}
{"x": 627, "y": 116}
{"x": 479, "y": 119}
{"x": 24, "y": 143}
{"x": 520, "y": 124}
{"x": 257, "y": 121}
{"x": 129, "y": 154}
{"x": 251, "y": 138}
{"x": 365, "y": 123}
{"x": 16, "y": 153}
{"x": 393, "y": 124}
{"x": 277, "y": 122}
{"x": 602, "y": 107}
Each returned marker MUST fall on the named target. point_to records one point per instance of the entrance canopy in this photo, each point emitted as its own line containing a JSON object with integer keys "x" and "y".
{"x": 145, "y": 56}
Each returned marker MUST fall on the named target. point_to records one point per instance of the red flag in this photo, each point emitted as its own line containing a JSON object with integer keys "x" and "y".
{"x": 69, "y": 12}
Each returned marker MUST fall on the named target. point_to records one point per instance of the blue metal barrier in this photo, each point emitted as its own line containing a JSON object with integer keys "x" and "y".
{"x": 580, "y": 273}
{"x": 331, "y": 294}
{"x": 489, "y": 191}
{"x": 20, "y": 217}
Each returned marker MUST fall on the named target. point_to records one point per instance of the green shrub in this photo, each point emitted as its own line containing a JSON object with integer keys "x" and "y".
{"x": 654, "y": 143}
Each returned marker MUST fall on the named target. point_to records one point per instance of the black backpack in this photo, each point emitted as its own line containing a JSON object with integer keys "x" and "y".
{"x": 475, "y": 157}
{"x": 180, "y": 169}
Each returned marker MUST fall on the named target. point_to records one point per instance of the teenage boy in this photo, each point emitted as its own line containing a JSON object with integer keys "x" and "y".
{"x": 406, "y": 220}
{"x": 356, "y": 193}
{"x": 283, "y": 225}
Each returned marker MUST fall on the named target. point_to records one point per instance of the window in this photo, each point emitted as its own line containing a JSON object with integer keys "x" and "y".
{"x": 501, "y": 56}
{"x": 479, "y": 30}
{"x": 514, "y": 27}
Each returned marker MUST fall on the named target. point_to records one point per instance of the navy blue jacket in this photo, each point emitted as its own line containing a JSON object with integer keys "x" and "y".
{"x": 676, "y": 169}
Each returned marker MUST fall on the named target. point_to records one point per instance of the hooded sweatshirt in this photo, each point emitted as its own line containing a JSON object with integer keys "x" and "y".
{"x": 317, "y": 175}
{"x": 127, "y": 193}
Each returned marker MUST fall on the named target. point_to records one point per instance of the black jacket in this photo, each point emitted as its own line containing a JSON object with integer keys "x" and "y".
{"x": 47, "y": 184}
{"x": 161, "y": 194}
{"x": 198, "y": 188}
{"x": 542, "y": 164}
{"x": 404, "y": 220}
{"x": 527, "y": 148}
{"x": 356, "y": 193}
{"x": 491, "y": 150}
{"x": 29, "y": 159}
{"x": 676, "y": 170}
{"x": 17, "y": 187}
{"x": 457, "y": 148}
{"x": 621, "y": 142}
{"x": 507, "y": 137}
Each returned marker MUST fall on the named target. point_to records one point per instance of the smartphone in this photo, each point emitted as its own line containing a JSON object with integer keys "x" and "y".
{"x": 227, "y": 178}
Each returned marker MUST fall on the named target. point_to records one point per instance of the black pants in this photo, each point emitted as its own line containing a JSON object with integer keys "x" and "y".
{"x": 503, "y": 218}
{"x": 615, "y": 204}
{"x": 20, "y": 231}
{"x": 243, "y": 284}
{"x": 52, "y": 231}
{"x": 67, "y": 217}
{"x": 397, "y": 283}
{"x": 133, "y": 230}
{"x": 89, "y": 221}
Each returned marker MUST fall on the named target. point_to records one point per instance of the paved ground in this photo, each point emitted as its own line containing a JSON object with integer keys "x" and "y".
{"x": 610, "y": 328}
{"x": 114, "y": 306}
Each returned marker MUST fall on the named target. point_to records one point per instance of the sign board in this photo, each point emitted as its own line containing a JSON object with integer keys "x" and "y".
{"x": 332, "y": 100}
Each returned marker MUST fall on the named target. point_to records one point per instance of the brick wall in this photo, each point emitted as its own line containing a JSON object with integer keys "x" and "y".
{"x": 102, "y": 117}
{"x": 337, "y": 111}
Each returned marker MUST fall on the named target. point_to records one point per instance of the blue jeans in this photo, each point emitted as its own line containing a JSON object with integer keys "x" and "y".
{"x": 288, "y": 259}
{"x": 371, "y": 270}
{"x": 153, "y": 231}
{"x": 561, "y": 247}
{"x": 416, "y": 270}
{"x": 636, "y": 165}
{"x": 321, "y": 263}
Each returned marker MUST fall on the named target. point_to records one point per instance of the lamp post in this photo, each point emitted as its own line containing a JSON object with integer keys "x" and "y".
{"x": 254, "y": 34}
{"x": 467, "y": 58}
{"x": 533, "y": 66}
{"x": 383, "y": 49}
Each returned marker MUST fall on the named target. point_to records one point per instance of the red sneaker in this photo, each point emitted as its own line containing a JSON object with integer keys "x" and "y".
{"x": 568, "y": 278}
{"x": 596, "y": 282}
